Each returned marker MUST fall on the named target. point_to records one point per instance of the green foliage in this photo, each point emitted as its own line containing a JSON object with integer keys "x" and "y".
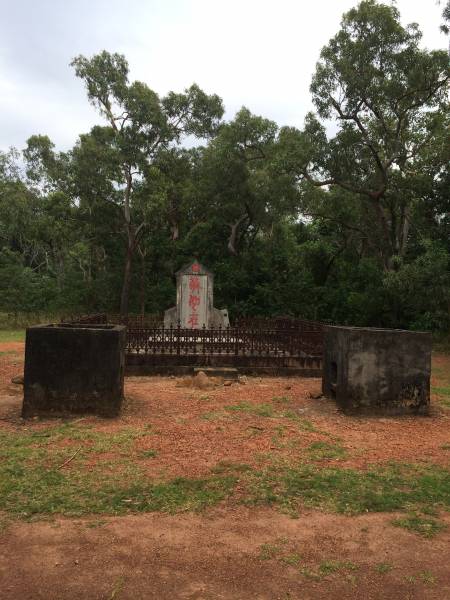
{"x": 353, "y": 228}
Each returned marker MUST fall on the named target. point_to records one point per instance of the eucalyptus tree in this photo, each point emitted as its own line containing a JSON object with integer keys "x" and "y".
{"x": 240, "y": 191}
{"x": 387, "y": 96}
{"x": 139, "y": 124}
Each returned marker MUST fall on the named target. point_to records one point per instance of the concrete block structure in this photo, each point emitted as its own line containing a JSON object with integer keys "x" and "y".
{"x": 377, "y": 371}
{"x": 73, "y": 369}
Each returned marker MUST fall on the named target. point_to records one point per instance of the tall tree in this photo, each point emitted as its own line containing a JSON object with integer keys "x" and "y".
{"x": 139, "y": 124}
{"x": 239, "y": 189}
{"x": 386, "y": 94}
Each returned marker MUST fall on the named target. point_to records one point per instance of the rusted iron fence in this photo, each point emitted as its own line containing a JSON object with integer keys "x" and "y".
{"x": 281, "y": 342}
{"x": 231, "y": 340}
{"x": 278, "y": 323}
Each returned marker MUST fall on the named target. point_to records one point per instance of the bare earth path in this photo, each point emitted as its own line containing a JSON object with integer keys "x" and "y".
{"x": 232, "y": 552}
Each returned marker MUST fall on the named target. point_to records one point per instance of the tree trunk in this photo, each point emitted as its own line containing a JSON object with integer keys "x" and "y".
{"x": 131, "y": 239}
{"x": 143, "y": 278}
{"x": 125, "y": 296}
{"x": 233, "y": 235}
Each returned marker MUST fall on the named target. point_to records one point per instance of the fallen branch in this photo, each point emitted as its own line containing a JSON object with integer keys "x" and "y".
{"x": 69, "y": 459}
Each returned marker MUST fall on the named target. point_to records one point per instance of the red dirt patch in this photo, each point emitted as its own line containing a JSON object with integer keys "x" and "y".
{"x": 194, "y": 430}
{"x": 222, "y": 554}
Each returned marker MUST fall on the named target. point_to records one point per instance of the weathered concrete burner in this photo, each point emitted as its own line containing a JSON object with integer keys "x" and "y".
{"x": 195, "y": 300}
{"x": 377, "y": 371}
{"x": 74, "y": 369}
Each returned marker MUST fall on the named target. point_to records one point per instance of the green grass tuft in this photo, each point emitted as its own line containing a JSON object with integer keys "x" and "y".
{"x": 259, "y": 410}
{"x": 149, "y": 453}
{"x": 427, "y": 527}
{"x": 384, "y": 568}
{"x": 291, "y": 559}
{"x": 268, "y": 551}
{"x": 333, "y": 566}
{"x": 324, "y": 450}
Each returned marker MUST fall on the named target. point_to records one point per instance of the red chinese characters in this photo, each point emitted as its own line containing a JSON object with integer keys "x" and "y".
{"x": 194, "y": 297}
{"x": 194, "y": 283}
{"x": 193, "y": 321}
{"x": 194, "y": 301}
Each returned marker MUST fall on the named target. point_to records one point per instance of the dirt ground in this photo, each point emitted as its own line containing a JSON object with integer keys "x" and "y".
{"x": 232, "y": 552}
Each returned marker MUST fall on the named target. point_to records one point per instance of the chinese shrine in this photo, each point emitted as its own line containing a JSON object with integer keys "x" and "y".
{"x": 195, "y": 305}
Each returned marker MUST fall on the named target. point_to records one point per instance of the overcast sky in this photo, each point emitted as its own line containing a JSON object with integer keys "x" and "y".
{"x": 257, "y": 53}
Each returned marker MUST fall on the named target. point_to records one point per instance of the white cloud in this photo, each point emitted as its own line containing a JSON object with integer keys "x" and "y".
{"x": 257, "y": 53}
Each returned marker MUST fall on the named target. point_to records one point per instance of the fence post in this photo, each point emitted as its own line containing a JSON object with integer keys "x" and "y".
{"x": 203, "y": 338}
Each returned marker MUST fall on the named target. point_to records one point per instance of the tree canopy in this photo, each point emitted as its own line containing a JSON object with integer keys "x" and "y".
{"x": 351, "y": 226}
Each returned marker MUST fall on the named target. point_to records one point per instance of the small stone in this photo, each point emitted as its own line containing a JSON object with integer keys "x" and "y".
{"x": 243, "y": 379}
{"x": 315, "y": 395}
{"x": 227, "y": 382}
{"x": 18, "y": 379}
{"x": 288, "y": 387}
{"x": 201, "y": 380}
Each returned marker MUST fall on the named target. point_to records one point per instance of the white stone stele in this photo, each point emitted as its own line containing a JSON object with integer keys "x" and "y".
{"x": 195, "y": 300}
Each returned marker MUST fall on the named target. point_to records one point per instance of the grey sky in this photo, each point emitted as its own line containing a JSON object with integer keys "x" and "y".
{"x": 257, "y": 53}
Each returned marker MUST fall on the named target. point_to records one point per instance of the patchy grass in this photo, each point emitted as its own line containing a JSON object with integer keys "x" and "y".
{"x": 267, "y": 410}
{"x": 76, "y": 470}
{"x": 33, "y": 480}
{"x": 259, "y": 410}
{"x": 12, "y": 335}
{"x": 214, "y": 415}
{"x": 383, "y": 568}
{"x": 328, "y": 567}
{"x": 333, "y": 566}
{"x": 293, "y": 559}
{"x": 427, "y": 527}
{"x": 268, "y": 551}
{"x": 306, "y": 425}
{"x": 227, "y": 467}
{"x": 149, "y": 453}
{"x": 117, "y": 587}
{"x": 281, "y": 399}
{"x": 325, "y": 451}
{"x": 427, "y": 577}
{"x": 444, "y": 395}
{"x": 348, "y": 491}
